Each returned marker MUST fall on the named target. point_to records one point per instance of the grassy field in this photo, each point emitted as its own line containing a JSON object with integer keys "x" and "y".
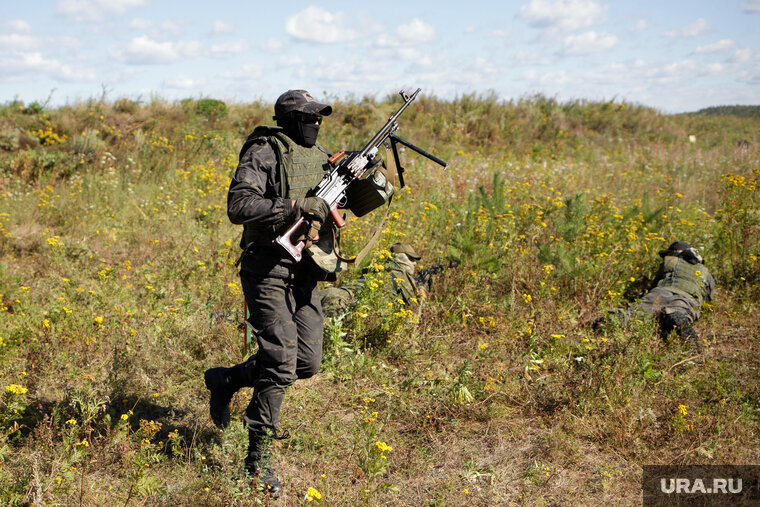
{"x": 118, "y": 290}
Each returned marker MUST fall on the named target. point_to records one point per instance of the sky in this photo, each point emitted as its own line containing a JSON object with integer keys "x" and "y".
{"x": 672, "y": 55}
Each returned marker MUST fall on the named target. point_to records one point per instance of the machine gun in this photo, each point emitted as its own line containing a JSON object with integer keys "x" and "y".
{"x": 348, "y": 168}
{"x": 425, "y": 276}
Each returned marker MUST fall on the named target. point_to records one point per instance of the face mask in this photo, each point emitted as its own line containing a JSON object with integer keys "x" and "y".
{"x": 304, "y": 134}
{"x": 309, "y": 133}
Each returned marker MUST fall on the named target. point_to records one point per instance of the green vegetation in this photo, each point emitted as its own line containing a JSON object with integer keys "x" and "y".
{"x": 117, "y": 290}
{"x": 742, "y": 111}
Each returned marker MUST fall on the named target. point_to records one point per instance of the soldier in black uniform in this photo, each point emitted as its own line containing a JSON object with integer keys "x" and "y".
{"x": 277, "y": 167}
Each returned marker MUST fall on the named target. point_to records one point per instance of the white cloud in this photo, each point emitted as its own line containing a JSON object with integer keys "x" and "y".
{"x": 751, "y": 6}
{"x": 145, "y": 51}
{"x": 715, "y": 69}
{"x": 140, "y": 23}
{"x": 589, "y": 42}
{"x": 273, "y": 46}
{"x": 95, "y": 10}
{"x": 222, "y": 27}
{"x": 750, "y": 76}
{"x": 563, "y": 15}
{"x": 19, "y": 42}
{"x": 318, "y": 25}
{"x": 716, "y": 47}
{"x": 692, "y": 30}
{"x": 183, "y": 82}
{"x": 290, "y": 61}
{"x": 347, "y": 73}
{"x": 674, "y": 72}
{"x": 744, "y": 56}
{"x": 17, "y": 36}
{"x": 416, "y": 32}
{"x": 646, "y": 74}
{"x": 533, "y": 58}
{"x": 483, "y": 70}
{"x": 18, "y": 65}
{"x": 18, "y": 26}
{"x": 170, "y": 27}
{"x": 416, "y": 57}
{"x": 228, "y": 49}
{"x": 640, "y": 26}
{"x": 250, "y": 71}
{"x": 550, "y": 80}
{"x": 75, "y": 43}
{"x": 409, "y": 54}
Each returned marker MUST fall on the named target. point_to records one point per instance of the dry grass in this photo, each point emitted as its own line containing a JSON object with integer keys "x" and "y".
{"x": 116, "y": 259}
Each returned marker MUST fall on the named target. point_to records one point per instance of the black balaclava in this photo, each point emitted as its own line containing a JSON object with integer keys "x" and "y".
{"x": 302, "y": 133}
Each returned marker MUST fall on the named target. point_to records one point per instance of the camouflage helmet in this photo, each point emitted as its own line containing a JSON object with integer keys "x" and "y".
{"x": 299, "y": 101}
{"x": 336, "y": 300}
{"x": 407, "y": 249}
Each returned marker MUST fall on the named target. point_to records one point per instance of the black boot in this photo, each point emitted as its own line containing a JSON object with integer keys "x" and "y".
{"x": 258, "y": 463}
{"x": 686, "y": 331}
{"x": 223, "y": 384}
{"x": 219, "y": 382}
{"x": 683, "y": 326}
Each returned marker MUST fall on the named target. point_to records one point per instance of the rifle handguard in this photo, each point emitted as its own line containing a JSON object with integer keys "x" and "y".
{"x": 337, "y": 156}
{"x": 335, "y": 214}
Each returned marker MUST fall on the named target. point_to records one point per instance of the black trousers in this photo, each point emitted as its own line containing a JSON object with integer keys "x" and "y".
{"x": 286, "y": 317}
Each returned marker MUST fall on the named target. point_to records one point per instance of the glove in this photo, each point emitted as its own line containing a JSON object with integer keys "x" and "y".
{"x": 312, "y": 235}
{"x": 315, "y": 207}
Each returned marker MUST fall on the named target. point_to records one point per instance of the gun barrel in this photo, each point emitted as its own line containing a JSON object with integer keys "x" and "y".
{"x": 391, "y": 125}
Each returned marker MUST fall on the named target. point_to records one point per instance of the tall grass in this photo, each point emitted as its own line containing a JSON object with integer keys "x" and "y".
{"x": 118, "y": 289}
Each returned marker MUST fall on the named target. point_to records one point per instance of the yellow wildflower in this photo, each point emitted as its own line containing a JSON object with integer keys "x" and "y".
{"x": 313, "y": 494}
{"x": 16, "y": 389}
{"x": 382, "y": 447}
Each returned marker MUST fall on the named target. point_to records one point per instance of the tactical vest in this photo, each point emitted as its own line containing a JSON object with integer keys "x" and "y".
{"x": 682, "y": 276}
{"x": 301, "y": 169}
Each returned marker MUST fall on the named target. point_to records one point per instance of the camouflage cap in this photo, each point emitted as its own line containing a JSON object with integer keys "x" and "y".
{"x": 407, "y": 249}
{"x": 299, "y": 101}
{"x": 675, "y": 248}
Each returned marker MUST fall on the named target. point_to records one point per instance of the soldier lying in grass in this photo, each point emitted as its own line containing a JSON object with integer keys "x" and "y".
{"x": 337, "y": 301}
{"x": 680, "y": 288}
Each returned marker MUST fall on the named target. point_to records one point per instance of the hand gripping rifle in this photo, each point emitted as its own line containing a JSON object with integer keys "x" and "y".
{"x": 347, "y": 169}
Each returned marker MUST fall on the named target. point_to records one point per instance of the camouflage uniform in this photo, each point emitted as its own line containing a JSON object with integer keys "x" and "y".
{"x": 680, "y": 288}
{"x": 337, "y": 301}
{"x": 401, "y": 268}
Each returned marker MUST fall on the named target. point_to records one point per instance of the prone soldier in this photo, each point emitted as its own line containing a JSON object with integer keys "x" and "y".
{"x": 680, "y": 288}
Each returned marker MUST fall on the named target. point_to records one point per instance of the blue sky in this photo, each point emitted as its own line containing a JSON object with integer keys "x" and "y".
{"x": 673, "y": 55}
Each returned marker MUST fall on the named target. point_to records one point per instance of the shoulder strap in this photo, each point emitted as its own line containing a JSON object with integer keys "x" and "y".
{"x": 372, "y": 241}
{"x": 324, "y": 150}
{"x": 280, "y": 157}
